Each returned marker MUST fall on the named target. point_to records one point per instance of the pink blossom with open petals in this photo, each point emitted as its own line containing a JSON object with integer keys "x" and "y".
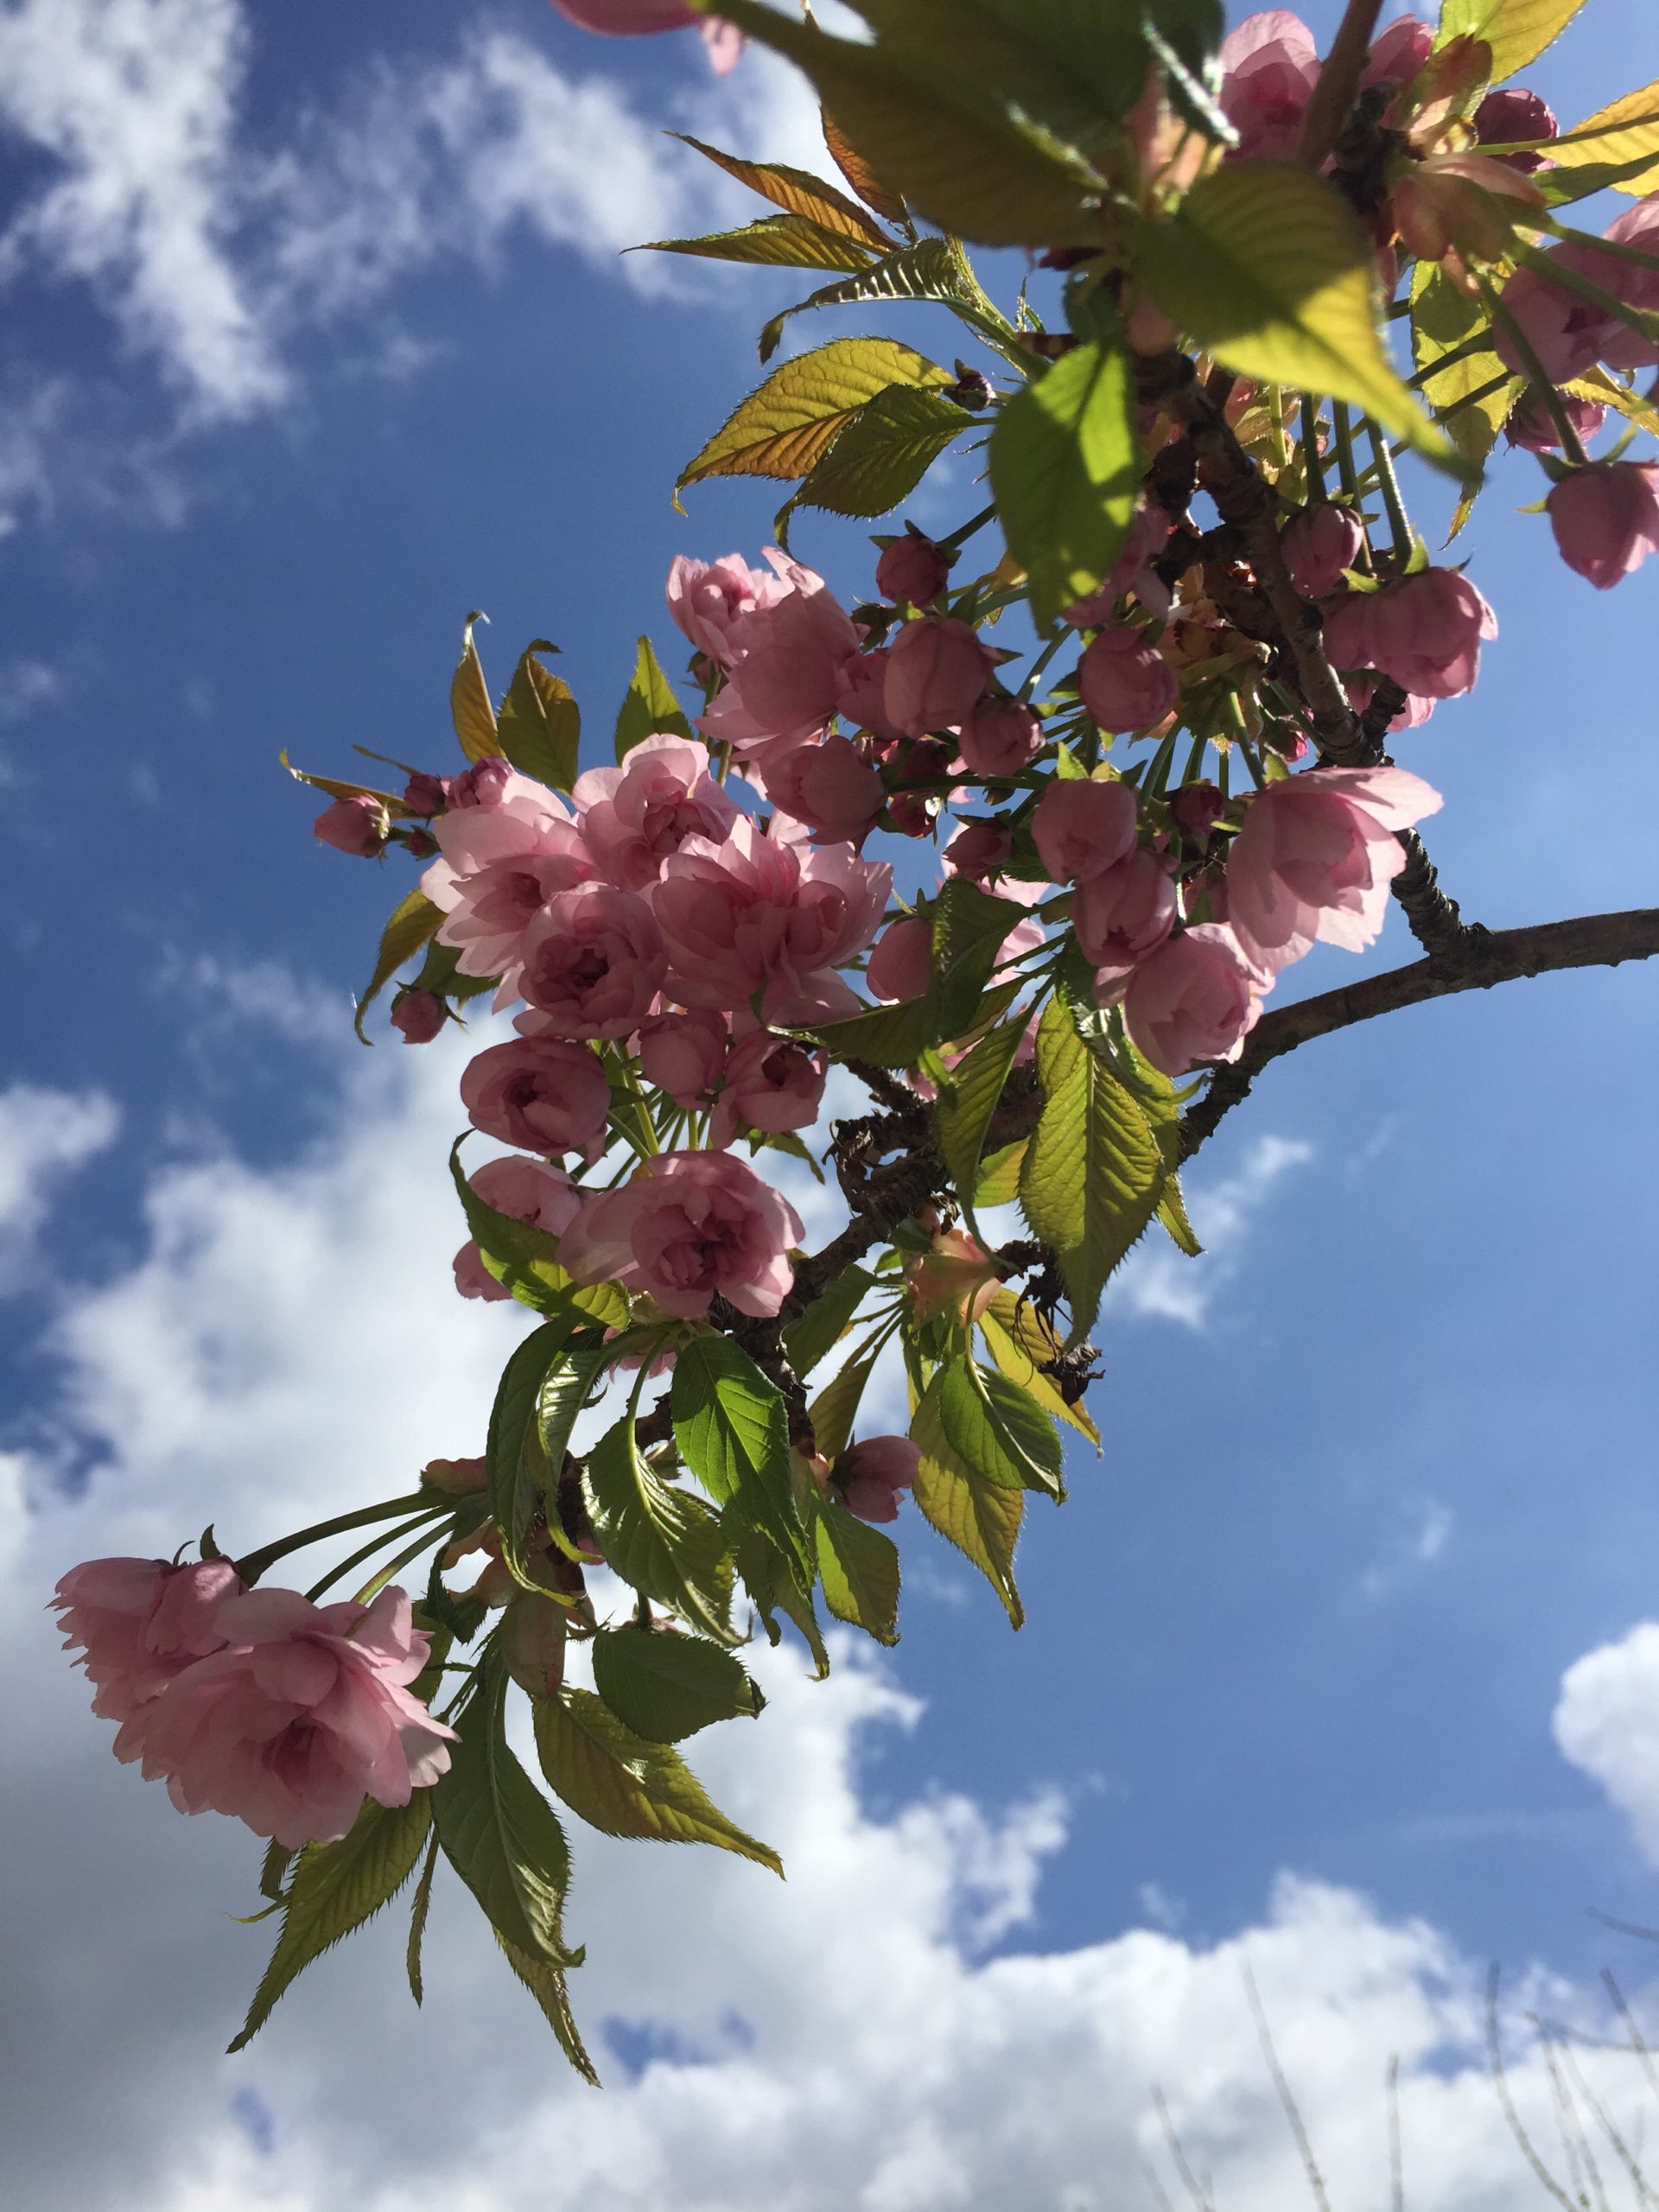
{"x": 767, "y": 914}
{"x": 1425, "y": 631}
{"x": 682, "y": 1053}
{"x": 635, "y": 816}
{"x": 306, "y": 1711}
{"x": 787, "y": 657}
{"x": 523, "y": 1190}
{"x": 357, "y": 826}
{"x": 1123, "y": 914}
{"x": 1567, "y": 333}
{"x": 771, "y": 1084}
{"x": 592, "y": 963}
{"x": 138, "y": 1623}
{"x": 538, "y": 1093}
{"x": 501, "y": 861}
{"x": 1125, "y": 683}
{"x": 861, "y": 695}
{"x": 1398, "y": 51}
{"x": 1315, "y": 859}
{"x": 1606, "y": 518}
{"x": 1269, "y": 66}
{"x": 829, "y": 786}
{"x": 708, "y": 600}
{"x": 1082, "y": 829}
{"x": 938, "y": 669}
{"x": 873, "y": 1476}
{"x": 1196, "y": 998}
{"x": 690, "y": 1227}
{"x": 901, "y": 966}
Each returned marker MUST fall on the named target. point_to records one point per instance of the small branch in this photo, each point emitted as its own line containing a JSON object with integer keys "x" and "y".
{"x": 1473, "y": 960}
{"x": 1338, "y": 84}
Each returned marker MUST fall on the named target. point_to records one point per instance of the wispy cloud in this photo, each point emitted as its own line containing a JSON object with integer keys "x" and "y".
{"x": 45, "y": 1135}
{"x": 1419, "y": 1540}
{"x": 1156, "y": 1282}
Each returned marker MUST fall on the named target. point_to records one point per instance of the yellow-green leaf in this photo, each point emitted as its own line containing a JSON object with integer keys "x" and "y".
{"x": 1443, "y": 320}
{"x": 339, "y": 787}
{"x": 661, "y": 1538}
{"x": 540, "y": 728}
{"x": 858, "y": 172}
{"x": 547, "y": 1984}
{"x": 799, "y": 193}
{"x": 412, "y": 923}
{"x": 1266, "y": 266}
{"x": 650, "y": 708}
{"x": 786, "y": 427}
{"x": 981, "y": 1520}
{"x": 1066, "y": 466}
{"x": 884, "y": 452}
{"x": 858, "y": 1568}
{"x": 469, "y": 699}
{"x": 1517, "y": 31}
{"x": 775, "y": 242}
{"x": 1621, "y": 132}
{"x": 1018, "y": 1338}
{"x": 623, "y": 1785}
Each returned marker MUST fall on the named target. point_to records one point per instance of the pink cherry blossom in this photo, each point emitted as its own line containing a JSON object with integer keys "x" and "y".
{"x": 1567, "y": 333}
{"x": 501, "y": 861}
{"x": 523, "y": 1190}
{"x": 1533, "y": 426}
{"x": 830, "y": 786}
{"x": 1124, "y": 914}
{"x": 999, "y": 736}
{"x": 1425, "y": 631}
{"x": 1125, "y": 683}
{"x": 1606, "y": 518}
{"x": 1398, "y": 51}
{"x": 691, "y": 1226}
{"x": 425, "y": 795}
{"x": 634, "y": 18}
{"x": 861, "y": 695}
{"x": 138, "y": 1623}
{"x": 871, "y": 1476}
{"x": 938, "y": 669}
{"x": 709, "y": 598}
{"x": 912, "y": 568}
{"x": 359, "y": 826}
{"x": 783, "y": 680}
{"x": 305, "y": 1712}
{"x": 763, "y": 913}
{"x": 539, "y": 1094}
{"x": 682, "y": 1053}
{"x": 1319, "y": 543}
{"x": 592, "y": 963}
{"x": 980, "y": 850}
{"x": 1269, "y": 66}
{"x": 901, "y": 966}
{"x": 418, "y": 1016}
{"x": 956, "y": 1275}
{"x": 1512, "y": 113}
{"x": 635, "y": 816}
{"x": 771, "y": 1084}
{"x": 1196, "y": 998}
{"x": 1315, "y": 859}
{"x": 1082, "y": 828}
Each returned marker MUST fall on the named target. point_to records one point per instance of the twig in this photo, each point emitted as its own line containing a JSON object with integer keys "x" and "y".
{"x": 1622, "y": 2150}
{"x": 1638, "y": 2042}
{"x": 1396, "y": 2165}
{"x": 1501, "y": 2082}
{"x": 1338, "y": 84}
{"x": 1199, "y": 2195}
{"x": 1293, "y": 2114}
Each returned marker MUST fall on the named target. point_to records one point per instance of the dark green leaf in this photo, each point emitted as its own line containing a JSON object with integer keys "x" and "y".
{"x": 969, "y": 928}
{"x": 663, "y": 1539}
{"x": 518, "y": 1466}
{"x": 540, "y": 729}
{"x": 859, "y": 1569}
{"x": 665, "y": 1687}
{"x": 412, "y": 923}
{"x": 650, "y": 708}
{"x": 417, "y": 1924}
{"x": 814, "y": 1334}
{"x": 624, "y": 1785}
{"x": 732, "y": 1426}
{"x": 1065, "y": 467}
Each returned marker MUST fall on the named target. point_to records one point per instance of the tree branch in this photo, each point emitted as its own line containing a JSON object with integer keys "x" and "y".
{"x": 1473, "y": 960}
{"x": 1338, "y": 84}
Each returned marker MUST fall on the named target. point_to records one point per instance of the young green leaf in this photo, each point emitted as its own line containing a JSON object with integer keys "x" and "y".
{"x": 786, "y": 427}
{"x": 1020, "y": 1341}
{"x": 732, "y": 1426}
{"x": 469, "y": 700}
{"x": 1267, "y": 266}
{"x": 980, "y": 1519}
{"x": 540, "y": 727}
{"x": 884, "y": 452}
{"x": 566, "y": 1388}
{"x": 799, "y": 193}
{"x": 998, "y": 1176}
{"x": 774, "y": 1587}
{"x": 546, "y": 1984}
{"x": 814, "y": 1334}
{"x": 1517, "y": 31}
{"x": 624, "y": 1785}
{"x": 663, "y": 1539}
{"x": 665, "y": 1687}
{"x": 412, "y": 923}
{"x": 983, "y": 1425}
{"x": 859, "y": 1569}
{"x": 499, "y": 1832}
{"x": 932, "y": 269}
{"x": 650, "y": 708}
{"x": 517, "y": 1466}
{"x": 963, "y": 1111}
{"x": 1066, "y": 466}
{"x": 417, "y": 1924}
{"x": 775, "y": 242}
{"x": 1622, "y": 137}
{"x": 835, "y": 1409}
{"x": 335, "y": 1888}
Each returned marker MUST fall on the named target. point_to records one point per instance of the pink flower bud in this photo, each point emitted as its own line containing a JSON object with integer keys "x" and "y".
{"x": 936, "y": 669}
{"x": 425, "y": 795}
{"x": 1398, "y": 52}
{"x": 1124, "y": 914}
{"x": 1197, "y": 808}
{"x": 1083, "y": 829}
{"x": 1319, "y": 543}
{"x": 456, "y": 1478}
{"x": 486, "y": 784}
{"x": 1269, "y": 66}
{"x": 979, "y": 851}
{"x": 830, "y": 786}
{"x": 912, "y": 568}
{"x": 683, "y": 1054}
{"x": 418, "y": 1016}
{"x": 999, "y": 736}
{"x": 861, "y": 695}
{"x": 771, "y": 1084}
{"x": 1606, "y": 518}
{"x": 359, "y": 826}
{"x": 901, "y": 966}
{"x": 1532, "y": 424}
{"x": 1126, "y": 684}
{"x": 871, "y": 1475}
{"x": 1513, "y": 113}
{"x": 1425, "y": 631}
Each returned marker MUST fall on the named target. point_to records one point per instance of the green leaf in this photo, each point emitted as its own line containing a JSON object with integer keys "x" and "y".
{"x": 1267, "y": 266}
{"x": 566, "y": 1388}
{"x": 1443, "y": 319}
{"x": 525, "y": 1259}
{"x": 859, "y": 1568}
{"x": 650, "y": 708}
{"x": 932, "y": 269}
{"x": 732, "y": 1426}
{"x": 665, "y": 1687}
{"x": 785, "y": 427}
{"x": 797, "y": 192}
{"x": 499, "y": 1832}
{"x": 835, "y": 1409}
{"x": 962, "y": 1110}
{"x": 1066, "y": 466}
{"x": 517, "y": 1466}
{"x": 1622, "y": 137}
{"x": 1094, "y": 1172}
{"x": 984, "y": 1424}
{"x": 546, "y": 1984}
{"x": 540, "y": 729}
{"x": 884, "y": 453}
{"x": 418, "y": 1924}
{"x": 1517, "y": 31}
{"x": 998, "y": 1176}
{"x": 335, "y": 1888}
{"x": 775, "y": 242}
{"x": 957, "y": 152}
{"x": 622, "y": 1784}
{"x": 774, "y": 1587}
{"x": 469, "y": 700}
{"x": 1019, "y": 1340}
{"x": 814, "y": 1334}
{"x": 980, "y": 1519}
{"x": 340, "y": 787}
{"x": 413, "y": 923}
{"x": 662, "y": 1541}
{"x": 858, "y": 172}
{"x": 970, "y": 929}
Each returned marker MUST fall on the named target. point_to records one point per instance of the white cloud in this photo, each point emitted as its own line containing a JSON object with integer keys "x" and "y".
{"x": 1424, "y": 1529}
{"x": 44, "y": 1135}
{"x": 1157, "y": 1282}
{"x": 1607, "y": 1722}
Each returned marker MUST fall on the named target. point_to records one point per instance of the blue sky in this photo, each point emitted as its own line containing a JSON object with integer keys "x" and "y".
{"x": 316, "y": 338}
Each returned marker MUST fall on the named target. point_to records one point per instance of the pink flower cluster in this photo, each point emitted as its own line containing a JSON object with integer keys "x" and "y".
{"x": 255, "y": 1703}
{"x": 1270, "y": 64}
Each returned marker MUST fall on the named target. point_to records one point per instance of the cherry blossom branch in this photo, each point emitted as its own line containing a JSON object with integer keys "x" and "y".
{"x": 1338, "y": 84}
{"x": 1473, "y": 960}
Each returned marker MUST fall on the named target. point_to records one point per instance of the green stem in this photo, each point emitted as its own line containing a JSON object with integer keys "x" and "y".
{"x": 1041, "y": 663}
{"x": 1572, "y": 444}
{"x": 377, "y": 1582}
{"x": 1615, "y": 248}
{"x": 1399, "y": 521}
{"x": 1313, "y": 460}
{"x": 367, "y": 1551}
{"x": 252, "y": 1567}
{"x": 1560, "y": 272}
{"x": 1480, "y": 343}
{"x": 958, "y": 538}
{"x": 1342, "y": 431}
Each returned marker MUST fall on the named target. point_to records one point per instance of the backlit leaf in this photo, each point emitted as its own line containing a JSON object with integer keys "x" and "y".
{"x": 980, "y": 1519}
{"x": 1066, "y": 466}
{"x": 412, "y": 923}
{"x": 775, "y": 242}
{"x": 540, "y": 727}
{"x": 858, "y": 172}
{"x": 983, "y": 1425}
{"x": 962, "y": 1110}
{"x": 797, "y": 192}
{"x": 1616, "y": 137}
{"x": 651, "y": 707}
{"x": 665, "y": 1687}
{"x": 1517, "y": 31}
{"x": 970, "y": 929}
{"x": 932, "y": 269}
{"x": 884, "y": 452}
{"x": 546, "y": 1984}
{"x": 1018, "y": 1340}
{"x": 835, "y": 1409}
{"x": 858, "y": 1566}
{"x": 516, "y": 1464}
{"x": 732, "y": 1426}
{"x": 469, "y": 700}
{"x": 786, "y": 427}
{"x": 661, "y": 1538}
{"x": 624, "y": 1785}
{"x": 816, "y": 1332}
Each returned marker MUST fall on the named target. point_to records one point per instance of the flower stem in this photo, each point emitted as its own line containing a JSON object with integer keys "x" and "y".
{"x": 1388, "y": 483}
{"x": 367, "y": 1551}
{"x": 254, "y": 1564}
{"x": 1572, "y": 444}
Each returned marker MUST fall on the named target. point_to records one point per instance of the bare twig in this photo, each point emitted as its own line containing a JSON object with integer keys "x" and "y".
{"x": 1200, "y": 2196}
{"x": 1396, "y": 2164}
{"x": 1293, "y": 2111}
{"x": 1338, "y": 83}
{"x": 1638, "y": 2042}
{"x": 1501, "y": 2082}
